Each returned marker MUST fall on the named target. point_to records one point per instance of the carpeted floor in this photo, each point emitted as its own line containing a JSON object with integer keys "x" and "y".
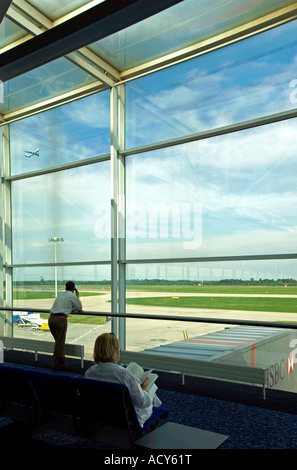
{"x": 248, "y": 427}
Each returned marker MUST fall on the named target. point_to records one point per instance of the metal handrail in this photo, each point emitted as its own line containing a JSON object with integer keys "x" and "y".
{"x": 225, "y": 321}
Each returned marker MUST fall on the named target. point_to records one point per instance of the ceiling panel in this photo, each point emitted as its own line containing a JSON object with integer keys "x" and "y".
{"x": 10, "y": 33}
{"x": 153, "y": 42}
{"x": 45, "y": 83}
{"x": 180, "y": 27}
{"x": 55, "y": 9}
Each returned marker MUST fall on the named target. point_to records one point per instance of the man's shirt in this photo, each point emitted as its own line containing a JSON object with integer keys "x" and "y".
{"x": 66, "y": 302}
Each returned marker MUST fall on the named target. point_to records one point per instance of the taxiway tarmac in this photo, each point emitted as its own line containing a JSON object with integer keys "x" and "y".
{"x": 145, "y": 333}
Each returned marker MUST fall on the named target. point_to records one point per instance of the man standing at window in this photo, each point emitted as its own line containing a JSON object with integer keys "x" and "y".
{"x": 65, "y": 303}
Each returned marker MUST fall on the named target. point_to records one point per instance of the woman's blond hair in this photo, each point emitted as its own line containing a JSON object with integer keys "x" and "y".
{"x": 106, "y": 348}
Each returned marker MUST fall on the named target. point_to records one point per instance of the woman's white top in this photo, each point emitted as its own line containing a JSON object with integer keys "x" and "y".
{"x": 110, "y": 372}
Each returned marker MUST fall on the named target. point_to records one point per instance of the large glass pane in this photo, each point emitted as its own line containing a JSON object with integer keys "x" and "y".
{"x": 72, "y": 205}
{"x": 230, "y": 195}
{"x": 235, "y": 290}
{"x": 69, "y": 133}
{"x": 57, "y": 8}
{"x": 34, "y": 288}
{"x": 43, "y": 83}
{"x": 9, "y": 32}
{"x": 243, "y": 81}
{"x": 217, "y": 294}
{"x": 247, "y": 277}
{"x": 1, "y": 148}
{"x": 178, "y": 27}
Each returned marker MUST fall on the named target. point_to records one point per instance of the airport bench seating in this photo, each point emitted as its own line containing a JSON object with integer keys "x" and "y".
{"x": 195, "y": 367}
{"x": 27, "y": 344}
{"x": 92, "y": 409}
{"x": 72, "y": 404}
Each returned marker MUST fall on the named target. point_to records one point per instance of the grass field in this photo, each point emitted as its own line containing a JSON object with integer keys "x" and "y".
{"x": 216, "y": 289}
{"x": 248, "y": 302}
{"x": 88, "y": 319}
{"x": 266, "y": 304}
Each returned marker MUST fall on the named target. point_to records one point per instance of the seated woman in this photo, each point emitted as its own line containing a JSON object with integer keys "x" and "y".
{"x": 106, "y": 354}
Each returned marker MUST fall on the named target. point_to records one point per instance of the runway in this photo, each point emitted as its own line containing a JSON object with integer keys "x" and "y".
{"x": 146, "y": 333}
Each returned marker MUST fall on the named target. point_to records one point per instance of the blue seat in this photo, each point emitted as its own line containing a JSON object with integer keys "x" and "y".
{"x": 10, "y": 390}
{"x": 109, "y": 414}
{"x": 16, "y": 398}
{"x": 56, "y": 398}
{"x": 158, "y": 414}
{"x": 73, "y": 404}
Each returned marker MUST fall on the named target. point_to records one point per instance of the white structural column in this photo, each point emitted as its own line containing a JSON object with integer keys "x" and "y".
{"x": 55, "y": 240}
{"x": 2, "y": 314}
{"x": 7, "y": 230}
{"x": 114, "y": 207}
{"x": 122, "y": 215}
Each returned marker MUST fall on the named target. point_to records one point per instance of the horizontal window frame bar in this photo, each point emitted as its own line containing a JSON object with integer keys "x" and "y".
{"x": 61, "y": 264}
{"x": 210, "y": 259}
{"x": 67, "y": 166}
{"x": 218, "y": 131}
{"x": 198, "y": 259}
{"x": 48, "y": 104}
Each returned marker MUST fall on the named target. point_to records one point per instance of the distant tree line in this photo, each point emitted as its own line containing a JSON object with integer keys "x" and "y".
{"x": 165, "y": 282}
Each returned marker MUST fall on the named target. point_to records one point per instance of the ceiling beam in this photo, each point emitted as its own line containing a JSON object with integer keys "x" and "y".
{"x": 27, "y": 17}
{"x": 96, "y": 23}
{"x": 4, "y": 5}
{"x": 31, "y": 13}
{"x": 23, "y": 22}
{"x": 50, "y": 103}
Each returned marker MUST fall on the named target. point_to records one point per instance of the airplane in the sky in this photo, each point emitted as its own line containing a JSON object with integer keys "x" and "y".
{"x": 30, "y": 154}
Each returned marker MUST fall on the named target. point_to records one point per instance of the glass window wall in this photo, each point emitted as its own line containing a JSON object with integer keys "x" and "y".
{"x": 252, "y": 290}
{"x": 244, "y": 81}
{"x": 72, "y": 205}
{"x": 55, "y": 9}
{"x": 65, "y": 134}
{"x": 34, "y": 290}
{"x": 229, "y": 195}
{"x": 44, "y": 83}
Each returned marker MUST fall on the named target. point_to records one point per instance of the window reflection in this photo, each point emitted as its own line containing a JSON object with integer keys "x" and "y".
{"x": 229, "y": 195}
{"x": 65, "y": 134}
{"x": 72, "y": 205}
{"x": 34, "y": 288}
{"x": 249, "y": 290}
{"x": 243, "y": 81}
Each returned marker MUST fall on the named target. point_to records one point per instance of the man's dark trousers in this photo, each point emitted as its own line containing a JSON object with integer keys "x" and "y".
{"x": 58, "y": 326}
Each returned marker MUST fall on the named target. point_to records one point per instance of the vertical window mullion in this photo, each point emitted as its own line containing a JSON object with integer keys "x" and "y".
{"x": 7, "y": 229}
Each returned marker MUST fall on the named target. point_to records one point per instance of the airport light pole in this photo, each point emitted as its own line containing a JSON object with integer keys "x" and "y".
{"x": 56, "y": 240}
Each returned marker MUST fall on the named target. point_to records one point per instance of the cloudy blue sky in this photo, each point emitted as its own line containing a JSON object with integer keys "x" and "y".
{"x": 230, "y": 195}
